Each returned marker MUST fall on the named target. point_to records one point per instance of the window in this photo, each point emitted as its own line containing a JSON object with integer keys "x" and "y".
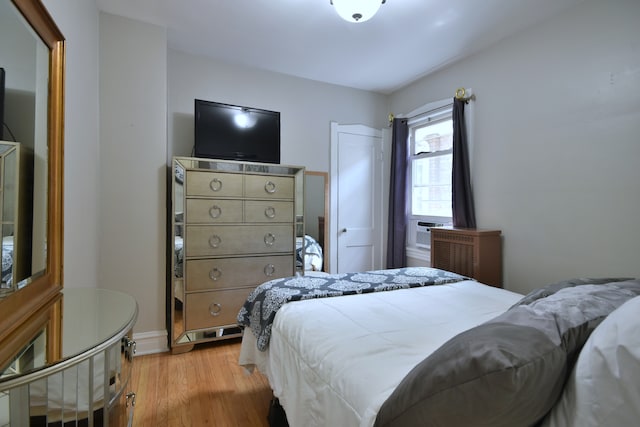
{"x": 430, "y": 163}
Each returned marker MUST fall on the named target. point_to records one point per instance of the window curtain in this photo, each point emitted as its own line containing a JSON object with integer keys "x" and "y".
{"x": 396, "y": 241}
{"x": 462, "y": 198}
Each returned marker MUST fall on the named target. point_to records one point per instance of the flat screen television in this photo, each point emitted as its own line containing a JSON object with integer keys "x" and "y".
{"x": 234, "y": 132}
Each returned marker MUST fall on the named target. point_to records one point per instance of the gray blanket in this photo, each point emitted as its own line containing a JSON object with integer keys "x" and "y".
{"x": 510, "y": 370}
{"x": 261, "y": 306}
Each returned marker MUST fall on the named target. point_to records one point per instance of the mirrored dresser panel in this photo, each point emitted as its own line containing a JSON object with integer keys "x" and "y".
{"x": 234, "y": 225}
{"x": 75, "y": 366}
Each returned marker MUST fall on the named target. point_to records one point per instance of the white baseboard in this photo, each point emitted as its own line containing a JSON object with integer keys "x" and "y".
{"x": 150, "y": 342}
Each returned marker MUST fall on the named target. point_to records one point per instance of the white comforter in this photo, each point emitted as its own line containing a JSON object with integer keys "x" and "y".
{"x": 334, "y": 361}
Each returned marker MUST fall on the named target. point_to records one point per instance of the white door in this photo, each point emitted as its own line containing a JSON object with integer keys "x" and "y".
{"x": 357, "y": 198}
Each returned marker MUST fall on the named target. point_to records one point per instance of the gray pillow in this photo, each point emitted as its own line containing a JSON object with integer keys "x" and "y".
{"x": 555, "y": 287}
{"x": 508, "y": 371}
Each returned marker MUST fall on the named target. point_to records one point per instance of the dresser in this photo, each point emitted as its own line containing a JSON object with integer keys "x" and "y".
{"x": 89, "y": 381}
{"x": 234, "y": 225}
{"x": 470, "y": 252}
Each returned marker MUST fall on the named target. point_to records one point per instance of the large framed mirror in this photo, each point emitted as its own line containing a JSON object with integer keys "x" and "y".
{"x": 316, "y": 214}
{"x": 32, "y": 55}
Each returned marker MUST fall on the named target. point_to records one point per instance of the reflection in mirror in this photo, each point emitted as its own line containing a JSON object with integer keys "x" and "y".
{"x": 178, "y": 254}
{"x": 31, "y": 357}
{"x": 32, "y": 53}
{"x": 24, "y": 150}
{"x": 316, "y": 205}
{"x": 15, "y": 215}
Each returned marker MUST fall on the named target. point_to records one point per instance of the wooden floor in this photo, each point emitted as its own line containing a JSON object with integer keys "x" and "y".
{"x": 204, "y": 387}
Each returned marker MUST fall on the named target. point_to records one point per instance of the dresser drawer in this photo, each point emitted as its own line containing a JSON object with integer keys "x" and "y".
{"x": 275, "y": 187}
{"x": 209, "y": 240}
{"x": 218, "y": 273}
{"x": 210, "y": 211}
{"x": 268, "y": 211}
{"x": 213, "y": 184}
{"x": 214, "y": 308}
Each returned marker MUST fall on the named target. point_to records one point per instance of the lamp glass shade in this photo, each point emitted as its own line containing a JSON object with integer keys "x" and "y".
{"x": 356, "y": 10}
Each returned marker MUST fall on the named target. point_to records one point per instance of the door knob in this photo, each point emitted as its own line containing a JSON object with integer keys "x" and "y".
{"x": 344, "y": 230}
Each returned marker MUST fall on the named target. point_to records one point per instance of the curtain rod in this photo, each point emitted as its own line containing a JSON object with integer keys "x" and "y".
{"x": 460, "y": 95}
{"x": 422, "y": 113}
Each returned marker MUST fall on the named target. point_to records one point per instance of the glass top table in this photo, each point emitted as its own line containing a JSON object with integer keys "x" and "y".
{"x": 92, "y": 320}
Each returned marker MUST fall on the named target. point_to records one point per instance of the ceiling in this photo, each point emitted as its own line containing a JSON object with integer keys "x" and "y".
{"x": 406, "y": 40}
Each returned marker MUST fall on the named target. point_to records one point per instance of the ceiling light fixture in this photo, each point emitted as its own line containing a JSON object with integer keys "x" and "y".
{"x": 356, "y": 10}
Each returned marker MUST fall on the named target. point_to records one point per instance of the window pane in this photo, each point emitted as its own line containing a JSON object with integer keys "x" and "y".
{"x": 431, "y": 181}
{"x": 433, "y": 137}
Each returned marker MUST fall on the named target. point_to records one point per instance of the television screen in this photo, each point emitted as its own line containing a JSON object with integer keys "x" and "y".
{"x": 1, "y": 103}
{"x": 233, "y": 132}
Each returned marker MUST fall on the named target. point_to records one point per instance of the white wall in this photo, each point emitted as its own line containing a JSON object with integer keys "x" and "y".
{"x": 555, "y": 158}
{"x": 306, "y": 107}
{"x": 78, "y": 21}
{"x": 133, "y": 144}
{"x": 114, "y": 155}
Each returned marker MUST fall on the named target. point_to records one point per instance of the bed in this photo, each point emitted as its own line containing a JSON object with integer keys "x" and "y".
{"x": 455, "y": 352}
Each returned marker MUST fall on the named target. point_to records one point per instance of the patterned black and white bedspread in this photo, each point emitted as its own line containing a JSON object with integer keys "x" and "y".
{"x": 262, "y": 304}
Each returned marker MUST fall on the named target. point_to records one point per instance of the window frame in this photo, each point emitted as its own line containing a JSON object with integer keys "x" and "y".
{"x": 431, "y": 117}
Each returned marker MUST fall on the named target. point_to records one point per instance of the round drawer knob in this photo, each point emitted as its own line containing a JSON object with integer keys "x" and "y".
{"x": 215, "y": 184}
{"x": 215, "y": 241}
{"x": 215, "y": 273}
{"x": 270, "y": 212}
{"x": 269, "y": 239}
{"x": 269, "y": 270}
{"x": 215, "y": 211}
{"x": 270, "y": 187}
{"x": 215, "y": 309}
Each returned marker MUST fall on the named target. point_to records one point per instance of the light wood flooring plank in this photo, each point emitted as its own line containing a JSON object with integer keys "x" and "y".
{"x": 204, "y": 387}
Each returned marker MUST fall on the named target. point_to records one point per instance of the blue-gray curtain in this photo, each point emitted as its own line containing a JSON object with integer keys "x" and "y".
{"x": 396, "y": 241}
{"x": 462, "y": 199}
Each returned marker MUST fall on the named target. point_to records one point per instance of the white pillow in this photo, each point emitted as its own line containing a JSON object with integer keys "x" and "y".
{"x": 604, "y": 386}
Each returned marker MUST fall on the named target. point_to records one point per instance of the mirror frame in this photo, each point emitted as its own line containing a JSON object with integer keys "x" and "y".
{"x": 18, "y": 308}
